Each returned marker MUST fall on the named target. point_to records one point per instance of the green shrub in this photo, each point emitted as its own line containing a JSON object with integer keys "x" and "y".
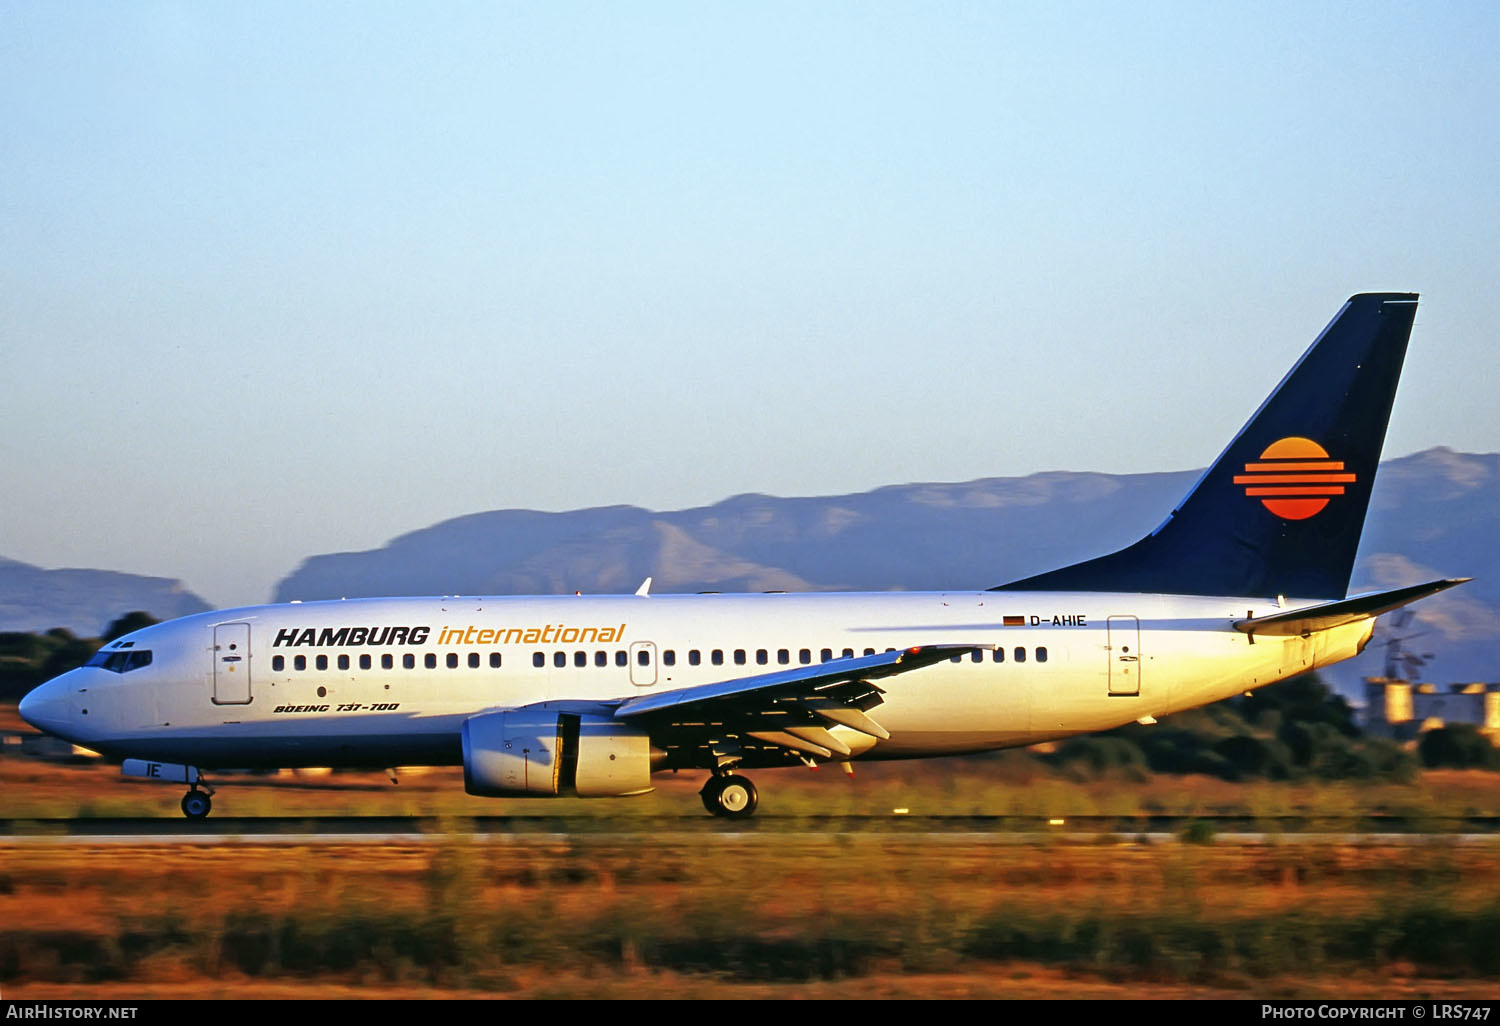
{"x": 1458, "y": 746}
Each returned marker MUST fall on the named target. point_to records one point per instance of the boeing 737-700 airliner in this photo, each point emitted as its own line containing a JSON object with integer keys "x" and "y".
{"x": 1243, "y": 584}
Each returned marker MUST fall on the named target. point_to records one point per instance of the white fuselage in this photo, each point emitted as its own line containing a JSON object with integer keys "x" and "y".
{"x": 383, "y": 682}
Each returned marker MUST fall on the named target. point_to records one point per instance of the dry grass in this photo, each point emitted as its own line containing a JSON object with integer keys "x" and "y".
{"x": 668, "y": 914}
{"x": 847, "y": 915}
{"x": 1015, "y": 981}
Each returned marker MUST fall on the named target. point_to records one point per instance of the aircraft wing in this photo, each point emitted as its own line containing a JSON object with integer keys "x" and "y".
{"x": 790, "y": 709}
{"x": 1336, "y": 614}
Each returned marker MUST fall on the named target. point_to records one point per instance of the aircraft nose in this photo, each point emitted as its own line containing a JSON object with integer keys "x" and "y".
{"x": 46, "y": 707}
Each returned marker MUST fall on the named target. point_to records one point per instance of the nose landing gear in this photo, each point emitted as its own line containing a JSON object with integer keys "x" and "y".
{"x": 731, "y": 796}
{"x": 196, "y": 803}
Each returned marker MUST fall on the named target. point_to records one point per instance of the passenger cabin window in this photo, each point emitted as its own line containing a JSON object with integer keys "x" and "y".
{"x": 538, "y": 659}
{"x": 364, "y": 661}
{"x": 783, "y": 657}
{"x": 762, "y": 657}
{"x": 601, "y": 658}
{"x": 494, "y": 660}
{"x": 409, "y": 661}
{"x": 453, "y": 660}
{"x": 826, "y": 655}
{"x": 999, "y": 655}
{"x": 387, "y": 661}
{"x": 559, "y": 659}
{"x": 278, "y": 663}
{"x": 621, "y": 659}
{"x": 430, "y": 660}
{"x": 804, "y": 656}
{"x": 1020, "y": 654}
{"x": 1041, "y": 655}
{"x": 299, "y": 662}
{"x": 581, "y": 660}
{"x": 643, "y": 657}
{"x": 739, "y": 657}
{"x": 848, "y": 653}
{"x": 717, "y": 657}
{"x": 322, "y": 662}
{"x": 977, "y": 656}
{"x": 343, "y": 662}
{"x": 694, "y": 658}
{"x": 668, "y": 657}
{"x": 474, "y": 660}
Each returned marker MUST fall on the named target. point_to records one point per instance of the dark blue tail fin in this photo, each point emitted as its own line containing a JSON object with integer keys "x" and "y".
{"x": 1281, "y": 511}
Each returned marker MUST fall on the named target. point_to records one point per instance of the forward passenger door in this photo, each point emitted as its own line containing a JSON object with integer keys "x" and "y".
{"x": 232, "y": 664}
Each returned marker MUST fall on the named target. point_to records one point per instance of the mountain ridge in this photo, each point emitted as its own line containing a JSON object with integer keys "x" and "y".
{"x": 85, "y": 601}
{"x": 1433, "y": 514}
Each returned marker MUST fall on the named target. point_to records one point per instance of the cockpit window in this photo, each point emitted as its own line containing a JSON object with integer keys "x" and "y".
{"x": 121, "y": 662}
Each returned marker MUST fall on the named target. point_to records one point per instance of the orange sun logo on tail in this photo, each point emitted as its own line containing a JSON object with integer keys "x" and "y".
{"x": 1293, "y": 478}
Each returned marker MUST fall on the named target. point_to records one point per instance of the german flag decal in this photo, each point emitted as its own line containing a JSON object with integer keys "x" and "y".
{"x": 1293, "y": 478}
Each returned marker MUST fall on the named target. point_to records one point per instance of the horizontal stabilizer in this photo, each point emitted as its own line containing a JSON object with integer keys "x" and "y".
{"x": 1336, "y": 614}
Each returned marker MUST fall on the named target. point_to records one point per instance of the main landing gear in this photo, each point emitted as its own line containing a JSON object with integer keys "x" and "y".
{"x": 196, "y": 804}
{"x": 730, "y": 795}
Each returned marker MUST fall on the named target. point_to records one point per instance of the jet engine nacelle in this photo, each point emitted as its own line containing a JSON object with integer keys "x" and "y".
{"x": 543, "y": 752}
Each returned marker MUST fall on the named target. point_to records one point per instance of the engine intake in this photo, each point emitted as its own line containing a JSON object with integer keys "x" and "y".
{"x": 541, "y": 752}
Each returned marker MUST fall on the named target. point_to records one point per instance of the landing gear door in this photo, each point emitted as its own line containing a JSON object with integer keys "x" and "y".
{"x": 232, "y": 664}
{"x": 1123, "y": 649}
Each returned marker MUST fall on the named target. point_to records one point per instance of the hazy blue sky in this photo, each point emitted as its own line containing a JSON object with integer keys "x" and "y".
{"x": 278, "y": 279}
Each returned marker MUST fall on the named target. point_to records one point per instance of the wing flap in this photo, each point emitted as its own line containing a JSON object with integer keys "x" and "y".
{"x": 820, "y": 736}
{"x": 786, "y": 739}
{"x": 848, "y": 716}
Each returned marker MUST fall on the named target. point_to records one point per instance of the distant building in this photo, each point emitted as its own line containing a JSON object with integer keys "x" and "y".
{"x": 1404, "y": 710}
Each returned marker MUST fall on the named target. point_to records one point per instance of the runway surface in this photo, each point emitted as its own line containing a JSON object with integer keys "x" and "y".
{"x": 552, "y": 829}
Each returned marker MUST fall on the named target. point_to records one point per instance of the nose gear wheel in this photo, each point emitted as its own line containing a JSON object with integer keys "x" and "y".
{"x": 196, "y": 804}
